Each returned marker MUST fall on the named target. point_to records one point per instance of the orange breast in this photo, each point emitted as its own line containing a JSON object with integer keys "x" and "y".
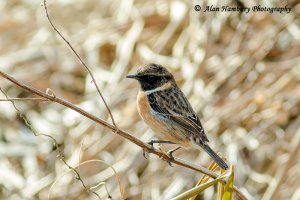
{"x": 145, "y": 111}
{"x": 159, "y": 127}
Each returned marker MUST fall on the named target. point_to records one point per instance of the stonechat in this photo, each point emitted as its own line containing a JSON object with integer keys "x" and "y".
{"x": 167, "y": 111}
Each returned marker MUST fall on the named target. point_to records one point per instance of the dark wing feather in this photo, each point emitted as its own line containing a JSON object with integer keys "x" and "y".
{"x": 173, "y": 104}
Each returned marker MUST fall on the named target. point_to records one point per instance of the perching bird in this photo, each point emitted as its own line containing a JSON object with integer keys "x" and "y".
{"x": 164, "y": 107}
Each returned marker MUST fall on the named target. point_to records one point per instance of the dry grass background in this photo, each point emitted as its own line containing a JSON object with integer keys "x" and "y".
{"x": 240, "y": 72}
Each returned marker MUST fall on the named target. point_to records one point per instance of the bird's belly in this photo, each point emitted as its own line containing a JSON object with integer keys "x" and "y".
{"x": 163, "y": 127}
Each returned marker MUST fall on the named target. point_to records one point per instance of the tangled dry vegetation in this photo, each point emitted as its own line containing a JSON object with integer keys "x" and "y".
{"x": 240, "y": 71}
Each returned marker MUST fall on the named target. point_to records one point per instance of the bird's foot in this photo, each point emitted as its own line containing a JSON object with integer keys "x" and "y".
{"x": 145, "y": 153}
{"x": 159, "y": 142}
{"x": 152, "y": 142}
{"x": 171, "y": 157}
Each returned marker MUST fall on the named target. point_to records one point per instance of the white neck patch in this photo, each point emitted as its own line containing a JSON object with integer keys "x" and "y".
{"x": 161, "y": 88}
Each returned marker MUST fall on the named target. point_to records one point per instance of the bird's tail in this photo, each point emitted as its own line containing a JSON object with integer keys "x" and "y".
{"x": 214, "y": 156}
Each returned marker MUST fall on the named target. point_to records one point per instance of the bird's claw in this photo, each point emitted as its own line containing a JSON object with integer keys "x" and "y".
{"x": 145, "y": 153}
{"x": 170, "y": 163}
{"x": 171, "y": 157}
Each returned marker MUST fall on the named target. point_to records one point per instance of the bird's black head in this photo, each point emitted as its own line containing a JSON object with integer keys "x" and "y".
{"x": 152, "y": 76}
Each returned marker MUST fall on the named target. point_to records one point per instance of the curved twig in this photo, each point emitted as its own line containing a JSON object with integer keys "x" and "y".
{"x": 81, "y": 62}
{"x": 55, "y": 144}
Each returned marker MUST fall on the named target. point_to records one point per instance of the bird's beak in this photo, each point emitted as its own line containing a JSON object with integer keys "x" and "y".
{"x": 134, "y": 76}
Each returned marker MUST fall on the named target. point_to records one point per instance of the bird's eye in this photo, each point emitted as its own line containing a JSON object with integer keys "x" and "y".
{"x": 151, "y": 78}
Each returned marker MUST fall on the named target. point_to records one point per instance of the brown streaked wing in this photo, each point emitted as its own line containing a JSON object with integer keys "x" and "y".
{"x": 174, "y": 104}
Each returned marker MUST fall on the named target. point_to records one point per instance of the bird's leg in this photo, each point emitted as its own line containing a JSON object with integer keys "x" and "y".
{"x": 170, "y": 153}
{"x": 159, "y": 142}
{"x": 152, "y": 142}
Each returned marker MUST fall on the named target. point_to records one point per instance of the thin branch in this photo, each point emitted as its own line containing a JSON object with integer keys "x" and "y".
{"x": 55, "y": 143}
{"x": 24, "y": 99}
{"x": 146, "y": 147}
{"x": 81, "y": 62}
